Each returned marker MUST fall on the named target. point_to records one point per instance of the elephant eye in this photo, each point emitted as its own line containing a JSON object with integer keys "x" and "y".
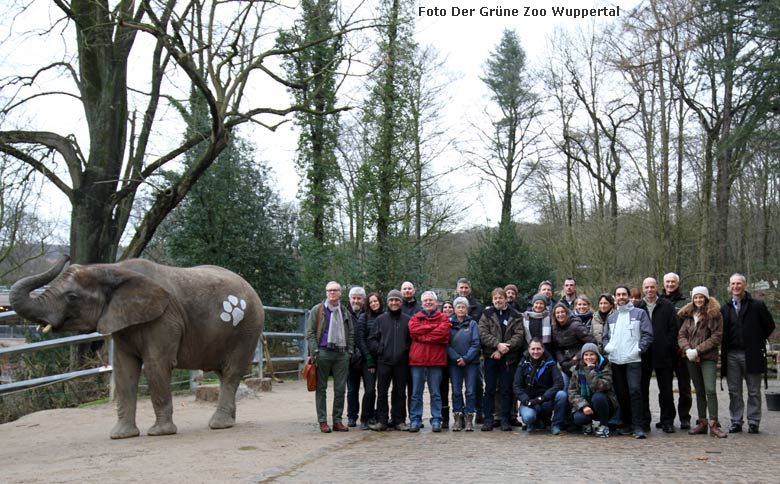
{"x": 71, "y": 296}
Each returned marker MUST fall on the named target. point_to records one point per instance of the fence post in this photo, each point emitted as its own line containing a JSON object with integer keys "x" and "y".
{"x": 303, "y": 345}
{"x": 112, "y": 381}
{"x": 259, "y": 353}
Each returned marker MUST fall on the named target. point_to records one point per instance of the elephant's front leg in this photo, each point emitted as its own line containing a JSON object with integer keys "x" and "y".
{"x": 127, "y": 370}
{"x": 158, "y": 374}
{"x": 225, "y": 416}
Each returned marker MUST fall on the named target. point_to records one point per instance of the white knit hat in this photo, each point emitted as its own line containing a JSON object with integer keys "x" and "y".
{"x": 700, "y": 290}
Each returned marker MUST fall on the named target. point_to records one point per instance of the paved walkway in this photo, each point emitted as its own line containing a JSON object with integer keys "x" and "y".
{"x": 276, "y": 440}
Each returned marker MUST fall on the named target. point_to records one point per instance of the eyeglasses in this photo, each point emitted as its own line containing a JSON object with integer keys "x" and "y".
{"x": 332, "y": 290}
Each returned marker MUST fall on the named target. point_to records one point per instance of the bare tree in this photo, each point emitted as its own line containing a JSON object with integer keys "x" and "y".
{"x": 222, "y": 48}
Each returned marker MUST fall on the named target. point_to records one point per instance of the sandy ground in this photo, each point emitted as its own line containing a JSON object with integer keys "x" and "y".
{"x": 72, "y": 445}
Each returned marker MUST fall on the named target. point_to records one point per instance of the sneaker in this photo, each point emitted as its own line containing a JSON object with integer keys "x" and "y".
{"x": 556, "y": 430}
{"x": 640, "y": 434}
{"x": 415, "y": 427}
{"x": 403, "y": 427}
{"x": 735, "y": 428}
{"x": 352, "y": 422}
{"x": 436, "y": 427}
{"x": 363, "y": 425}
{"x": 587, "y": 429}
{"x": 601, "y": 431}
{"x": 752, "y": 428}
{"x": 379, "y": 426}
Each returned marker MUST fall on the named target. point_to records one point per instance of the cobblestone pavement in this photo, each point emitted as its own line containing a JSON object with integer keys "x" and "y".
{"x": 276, "y": 440}
{"x": 489, "y": 457}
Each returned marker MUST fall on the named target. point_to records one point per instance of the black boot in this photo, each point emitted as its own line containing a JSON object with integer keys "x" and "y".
{"x": 445, "y": 417}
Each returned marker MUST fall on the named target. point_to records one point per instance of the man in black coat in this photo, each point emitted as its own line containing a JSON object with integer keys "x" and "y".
{"x": 747, "y": 323}
{"x": 674, "y": 294}
{"x": 660, "y": 356}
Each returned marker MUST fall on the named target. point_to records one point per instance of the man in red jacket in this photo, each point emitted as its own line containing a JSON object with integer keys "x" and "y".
{"x": 430, "y": 333}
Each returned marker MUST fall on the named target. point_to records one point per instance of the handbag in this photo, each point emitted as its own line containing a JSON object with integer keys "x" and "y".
{"x": 310, "y": 374}
{"x": 309, "y": 371}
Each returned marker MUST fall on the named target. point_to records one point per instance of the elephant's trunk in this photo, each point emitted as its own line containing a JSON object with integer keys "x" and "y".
{"x": 19, "y": 296}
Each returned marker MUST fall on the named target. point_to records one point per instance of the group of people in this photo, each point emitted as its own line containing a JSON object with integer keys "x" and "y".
{"x": 558, "y": 364}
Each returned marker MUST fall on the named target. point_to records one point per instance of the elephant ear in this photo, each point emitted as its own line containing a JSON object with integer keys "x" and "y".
{"x": 131, "y": 298}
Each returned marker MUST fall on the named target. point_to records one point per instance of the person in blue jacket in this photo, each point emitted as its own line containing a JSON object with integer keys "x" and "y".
{"x": 463, "y": 360}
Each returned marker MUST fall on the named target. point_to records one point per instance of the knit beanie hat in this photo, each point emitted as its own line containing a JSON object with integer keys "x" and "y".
{"x": 589, "y": 347}
{"x": 512, "y": 287}
{"x": 700, "y": 290}
{"x": 394, "y": 294}
{"x": 539, "y": 297}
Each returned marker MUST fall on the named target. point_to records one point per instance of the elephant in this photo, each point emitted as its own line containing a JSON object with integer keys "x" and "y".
{"x": 160, "y": 318}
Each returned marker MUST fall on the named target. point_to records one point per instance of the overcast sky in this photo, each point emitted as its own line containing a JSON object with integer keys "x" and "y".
{"x": 464, "y": 42}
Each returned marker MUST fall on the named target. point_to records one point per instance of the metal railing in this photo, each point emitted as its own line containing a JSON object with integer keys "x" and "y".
{"x": 259, "y": 359}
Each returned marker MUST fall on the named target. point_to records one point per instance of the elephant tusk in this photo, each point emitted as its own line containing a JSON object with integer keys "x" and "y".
{"x": 47, "y": 329}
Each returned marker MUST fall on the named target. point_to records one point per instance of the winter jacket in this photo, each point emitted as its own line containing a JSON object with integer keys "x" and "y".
{"x": 665, "y": 330}
{"x": 464, "y": 341}
{"x": 490, "y": 335}
{"x": 410, "y": 308}
{"x": 541, "y": 380}
{"x": 314, "y": 331}
{"x": 475, "y": 308}
{"x": 587, "y": 319}
{"x": 390, "y": 341}
{"x": 625, "y": 343}
{"x": 704, "y": 336}
{"x": 597, "y": 326}
{"x": 568, "y": 341}
{"x": 746, "y": 331}
{"x": 363, "y": 330}
{"x": 599, "y": 378}
{"x": 430, "y": 334}
{"x": 356, "y": 360}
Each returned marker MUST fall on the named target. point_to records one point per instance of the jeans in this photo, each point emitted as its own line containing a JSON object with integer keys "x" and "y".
{"x": 735, "y": 373}
{"x": 421, "y": 374}
{"x": 602, "y": 410}
{"x": 498, "y": 373}
{"x": 557, "y": 409}
{"x": 385, "y": 375}
{"x": 704, "y": 375}
{"x": 336, "y": 364}
{"x": 460, "y": 375}
{"x": 354, "y": 405}
{"x": 627, "y": 380}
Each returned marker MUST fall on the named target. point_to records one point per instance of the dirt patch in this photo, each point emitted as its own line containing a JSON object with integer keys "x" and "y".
{"x": 275, "y": 431}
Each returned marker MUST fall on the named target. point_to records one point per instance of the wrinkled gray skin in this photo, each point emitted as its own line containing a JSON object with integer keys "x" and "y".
{"x": 159, "y": 316}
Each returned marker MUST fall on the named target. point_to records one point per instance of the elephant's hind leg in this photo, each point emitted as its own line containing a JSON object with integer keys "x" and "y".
{"x": 225, "y": 415}
{"x": 127, "y": 370}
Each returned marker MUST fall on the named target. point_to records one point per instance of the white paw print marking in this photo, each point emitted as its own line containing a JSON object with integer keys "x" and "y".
{"x": 233, "y": 310}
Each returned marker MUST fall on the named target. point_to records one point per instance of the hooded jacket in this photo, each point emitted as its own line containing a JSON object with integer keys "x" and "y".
{"x": 599, "y": 379}
{"x": 706, "y": 335}
{"x": 532, "y": 381}
{"x": 464, "y": 341}
{"x": 625, "y": 342}
{"x": 430, "y": 334}
{"x": 568, "y": 340}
